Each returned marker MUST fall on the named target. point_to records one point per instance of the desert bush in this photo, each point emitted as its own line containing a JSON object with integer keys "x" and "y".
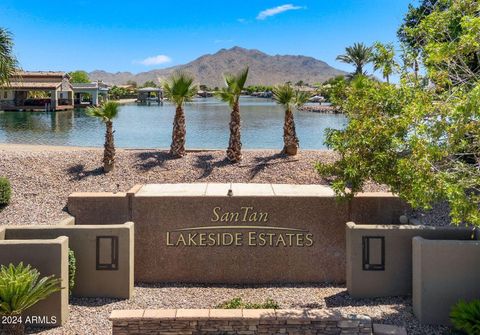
{"x": 465, "y": 316}
{"x": 5, "y": 191}
{"x": 72, "y": 269}
{"x": 237, "y": 303}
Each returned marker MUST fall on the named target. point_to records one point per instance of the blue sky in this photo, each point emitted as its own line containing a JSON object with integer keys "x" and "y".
{"x": 142, "y": 35}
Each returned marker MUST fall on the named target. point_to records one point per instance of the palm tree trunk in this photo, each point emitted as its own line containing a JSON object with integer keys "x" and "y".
{"x": 290, "y": 139}
{"x": 234, "y": 151}
{"x": 13, "y": 329}
{"x": 109, "y": 152}
{"x": 416, "y": 69}
{"x": 177, "y": 148}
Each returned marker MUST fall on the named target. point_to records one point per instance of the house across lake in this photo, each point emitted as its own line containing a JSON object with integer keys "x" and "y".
{"x": 48, "y": 91}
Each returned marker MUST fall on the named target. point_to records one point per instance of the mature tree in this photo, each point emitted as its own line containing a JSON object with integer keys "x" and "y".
{"x": 8, "y": 62}
{"x": 179, "y": 89}
{"x": 231, "y": 94}
{"x": 132, "y": 83}
{"x": 383, "y": 59}
{"x": 107, "y": 112}
{"x": 443, "y": 33}
{"x": 288, "y": 98}
{"x": 410, "y": 62}
{"x": 149, "y": 83}
{"x": 411, "y": 20}
{"x": 79, "y": 76}
{"x": 423, "y": 141}
{"x": 358, "y": 55}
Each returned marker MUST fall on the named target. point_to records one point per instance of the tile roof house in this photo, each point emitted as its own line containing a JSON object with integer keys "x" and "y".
{"x": 37, "y": 91}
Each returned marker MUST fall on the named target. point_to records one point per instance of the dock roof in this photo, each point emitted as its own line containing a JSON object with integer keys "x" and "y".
{"x": 37, "y": 80}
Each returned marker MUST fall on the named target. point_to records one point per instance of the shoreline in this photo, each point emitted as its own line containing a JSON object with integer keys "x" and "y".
{"x": 42, "y": 177}
{"x": 48, "y": 147}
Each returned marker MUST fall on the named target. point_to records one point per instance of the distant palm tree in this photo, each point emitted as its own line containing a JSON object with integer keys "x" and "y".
{"x": 231, "y": 94}
{"x": 288, "y": 98}
{"x": 107, "y": 112}
{"x": 179, "y": 89}
{"x": 8, "y": 62}
{"x": 384, "y": 59}
{"x": 358, "y": 55}
{"x": 410, "y": 59}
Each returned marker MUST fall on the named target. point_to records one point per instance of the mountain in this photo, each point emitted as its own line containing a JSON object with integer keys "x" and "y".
{"x": 208, "y": 69}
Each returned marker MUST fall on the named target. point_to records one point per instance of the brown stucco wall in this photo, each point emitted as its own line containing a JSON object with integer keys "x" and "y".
{"x": 91, "y": 282}
{"x": 444, "y": 272}
{"x": 237, "y": 321}
{"x": 396, "y": 279}
{"x": 2, "y": 233}
{"x": 99, "y": 208}
{"x": 49, "y": 257}
{"x": 158, "y": 209}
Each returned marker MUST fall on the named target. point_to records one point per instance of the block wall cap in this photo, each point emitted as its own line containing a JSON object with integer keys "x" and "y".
{"x": 97, "y": 195}
{"x": 126, "y": 314}
{"x": 237, "y": 314}
{"x": 192, "y": 314}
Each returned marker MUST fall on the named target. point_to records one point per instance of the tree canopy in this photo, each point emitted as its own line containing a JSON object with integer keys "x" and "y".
{"x": 8, "y": 62}
{"x": 149, "y": 83}
{"x": 423, "y": 141}
{"x": 179, "y": 88}
{"x": 79, "y": 76}
{"x": 358, "y": 55}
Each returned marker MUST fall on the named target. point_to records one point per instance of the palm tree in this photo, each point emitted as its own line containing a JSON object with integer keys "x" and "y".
{"x": 231, "y": 94}
{"x": 358, "y": 55}
{"x": 179, "y": 90}
{"x": 288, "y": 98}
{"x": 383, "y": 58}
{"x": 8, "y": 62}
{"x": 106, "y": 113}
{"x": 410, "y": 60}
{"x": 20, "y": 289}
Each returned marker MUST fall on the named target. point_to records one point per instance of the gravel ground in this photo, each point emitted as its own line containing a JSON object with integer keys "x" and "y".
{"x": 43, "y": 177}
{"x": 90, "y": 316}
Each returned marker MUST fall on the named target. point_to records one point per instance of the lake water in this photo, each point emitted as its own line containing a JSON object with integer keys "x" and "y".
{"x": 151, "y": 126}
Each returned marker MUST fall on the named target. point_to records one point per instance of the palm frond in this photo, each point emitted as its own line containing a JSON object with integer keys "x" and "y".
{"x": 241, "y": 78}
{"x": 106, "y": 112}
{"x": 301, "y": 98}
{"x": 20, "y": 288}
{"x": 8, "y": 62}
{"x": 358, "y": 55}
{"x": 179, "y": 88}
{"x": 235, "y": 84}
{"x": 226, "y": 95}
{"x": 283, "y": 95}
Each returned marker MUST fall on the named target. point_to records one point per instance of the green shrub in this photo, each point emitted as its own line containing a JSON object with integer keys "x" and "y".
{"x": 21, "y": 288}
{"x": 465, "y": 316}
{"x": 5, "y": 191}
{"x": 237, "y": 303}
{"x": 72, "y": 269}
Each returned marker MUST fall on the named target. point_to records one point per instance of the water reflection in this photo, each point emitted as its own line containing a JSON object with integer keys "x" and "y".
{"x": 150, "y": 126}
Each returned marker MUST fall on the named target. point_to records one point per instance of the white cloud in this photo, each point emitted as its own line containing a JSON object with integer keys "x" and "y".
{"x": 276, "y": 10}
{"x": 241, "y": 20}
{"x": 154, "y": 60}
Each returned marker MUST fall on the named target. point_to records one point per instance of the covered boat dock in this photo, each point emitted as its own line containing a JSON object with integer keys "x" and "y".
{"x": 37, "y": 91}
{"x": 150, "y": 94}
